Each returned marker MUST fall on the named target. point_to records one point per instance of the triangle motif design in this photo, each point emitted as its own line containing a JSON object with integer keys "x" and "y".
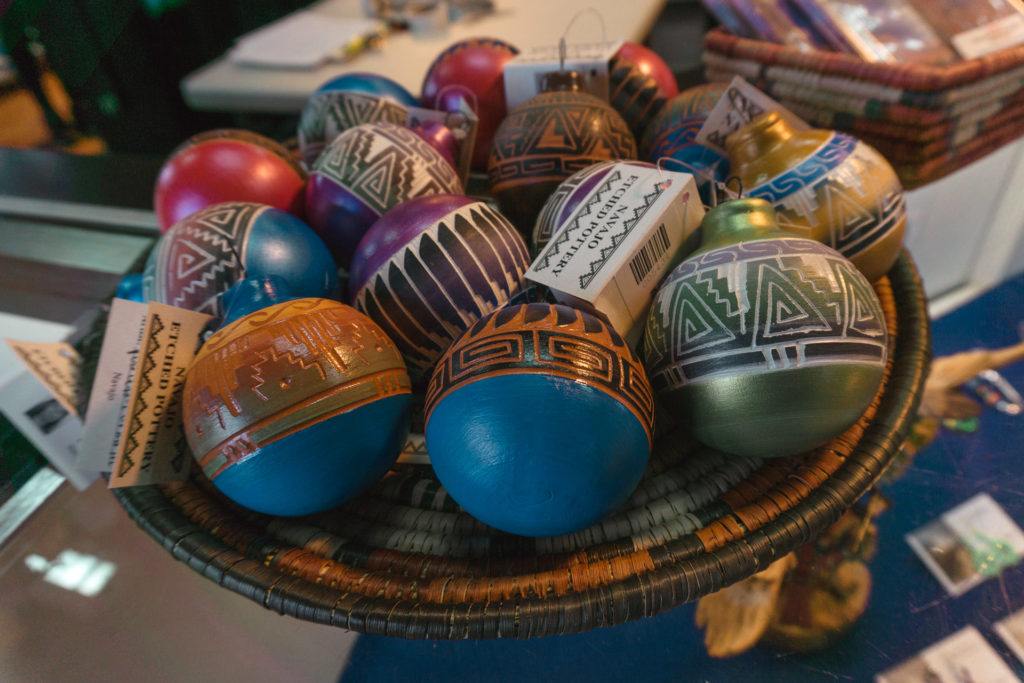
{"x": 188, "y": 259}
{"x": 865, "y": 316}
{"x": 847, "y": 216}
{"x": 783, "y": 309}
{"x": 694, "y": 325}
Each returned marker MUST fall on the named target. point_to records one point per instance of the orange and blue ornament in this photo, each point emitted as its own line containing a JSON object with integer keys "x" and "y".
{"x": 574, "y": 455}
{"x": 295, "y": 408}
{"x": 548, "y": 138}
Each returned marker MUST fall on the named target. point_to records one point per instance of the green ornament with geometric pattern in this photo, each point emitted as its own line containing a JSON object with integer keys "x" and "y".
{"x": 763, "y": 343}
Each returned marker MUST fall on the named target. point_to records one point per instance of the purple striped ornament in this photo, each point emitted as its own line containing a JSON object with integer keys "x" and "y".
{"x": 433, "y": 266}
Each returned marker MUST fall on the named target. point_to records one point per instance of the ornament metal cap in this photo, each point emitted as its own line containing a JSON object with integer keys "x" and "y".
{"x": 563, "y": 81}
{"x": 739, "y": 220}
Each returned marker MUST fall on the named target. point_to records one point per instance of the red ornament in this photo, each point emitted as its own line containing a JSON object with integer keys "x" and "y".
{"x": 227, "y": 166}
{"x": 651, "y": 64}
{"x": 472, "y": 69}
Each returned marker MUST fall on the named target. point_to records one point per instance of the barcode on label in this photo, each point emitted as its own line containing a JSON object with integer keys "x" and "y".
{"x": 645, "y": 259}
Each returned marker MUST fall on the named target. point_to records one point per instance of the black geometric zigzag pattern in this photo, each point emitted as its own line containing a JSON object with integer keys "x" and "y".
{"x": 468, "y": 264}
{"x": 384, "y": 164}
{"x": 201, "y": 257}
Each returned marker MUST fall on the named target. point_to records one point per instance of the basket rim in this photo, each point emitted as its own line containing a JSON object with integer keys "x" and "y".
{"x": 917, "y": 77}
{"x": 631, "y": 597}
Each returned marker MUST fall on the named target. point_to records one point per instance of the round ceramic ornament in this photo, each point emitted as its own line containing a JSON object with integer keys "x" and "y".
{"x": 669, "y": 138}
{"x": 564, "y": 200}
{"x": 539, "y": 420}
{"x": 544, "y": 141}
{"x": 433, "y": 266}
{"x": 652, "y": 65}
{"x": 682, "y": 117}
{"x": 346, "y": 101}
{"x": 202, "y": 256}
{"x": 227, "y": 165}
{"x": 297, "y": 407}
{"x": 471, "y": 71}
{"x": 764, "y": 344}
{"x": 365, "y": 172}
{"x": 824, "y": 185}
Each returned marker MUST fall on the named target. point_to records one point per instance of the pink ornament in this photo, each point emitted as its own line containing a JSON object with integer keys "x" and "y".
{"x": 477, "y": 66}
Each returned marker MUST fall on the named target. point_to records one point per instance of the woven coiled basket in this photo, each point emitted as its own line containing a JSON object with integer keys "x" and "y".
{"x": 404, "y": 560}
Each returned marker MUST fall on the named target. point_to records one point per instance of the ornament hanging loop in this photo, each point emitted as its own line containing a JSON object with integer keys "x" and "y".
{"x": 739, "y": 184}
{"x": 586, "y": 10}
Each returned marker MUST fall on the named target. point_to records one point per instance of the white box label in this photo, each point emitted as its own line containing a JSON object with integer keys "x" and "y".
{"x": 614, "y": 249}
{"x": 524, "y": 74}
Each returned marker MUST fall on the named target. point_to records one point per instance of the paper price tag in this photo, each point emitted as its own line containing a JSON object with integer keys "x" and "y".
{"x": 43, "y": 420}
{"x": 614, "y": 249}
{"x": 739, "y": 105}
{"x": 152, "y": 445}
{"x": 523, "y": 75}
{"x": 55, "y": 365}
{"x": 108, "y": 399}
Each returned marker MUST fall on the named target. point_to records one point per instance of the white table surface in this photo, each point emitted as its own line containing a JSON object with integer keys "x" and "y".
{"x": 404, "y": 57}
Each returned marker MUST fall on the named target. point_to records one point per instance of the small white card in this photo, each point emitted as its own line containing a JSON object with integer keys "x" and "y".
{"x": 625, "y": 235}
{"x": 133, "y": 422}
{"x": 992, "y": 37}
{"x": 108, "y": 399}
{"x": 974, "y": 541}
{"x": 46, "y": 424}
{"x": 740, "y": 104}
{"x": 56, "y": 365}
{"x": 963, "y": 656}
{"x": 152, "y": 447}
{"x": 524, "y": 74}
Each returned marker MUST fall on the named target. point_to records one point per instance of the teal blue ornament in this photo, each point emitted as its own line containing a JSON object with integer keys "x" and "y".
{"x": 539, "y": 420}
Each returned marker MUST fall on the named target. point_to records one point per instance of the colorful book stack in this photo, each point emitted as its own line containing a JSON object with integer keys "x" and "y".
{"x": 930, "y": 110}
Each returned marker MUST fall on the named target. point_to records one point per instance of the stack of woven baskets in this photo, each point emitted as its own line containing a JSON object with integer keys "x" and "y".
{"x": 928, "y": 121}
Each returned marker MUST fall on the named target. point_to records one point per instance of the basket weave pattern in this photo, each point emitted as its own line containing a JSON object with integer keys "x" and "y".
{"x": 963, "y": 111}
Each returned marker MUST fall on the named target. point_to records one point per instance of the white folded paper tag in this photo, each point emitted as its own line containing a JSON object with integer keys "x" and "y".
{"x": 152, "y": 447}
{"x": 108, "y": 399}
{"x": 740, "y": 104}
{"x": 56, "y": 365}
{"x": 613, "y": 250}
{"x": 524, "y": 74}
{"x": 31, "y": 407}
{"x": 133, "y": 420}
